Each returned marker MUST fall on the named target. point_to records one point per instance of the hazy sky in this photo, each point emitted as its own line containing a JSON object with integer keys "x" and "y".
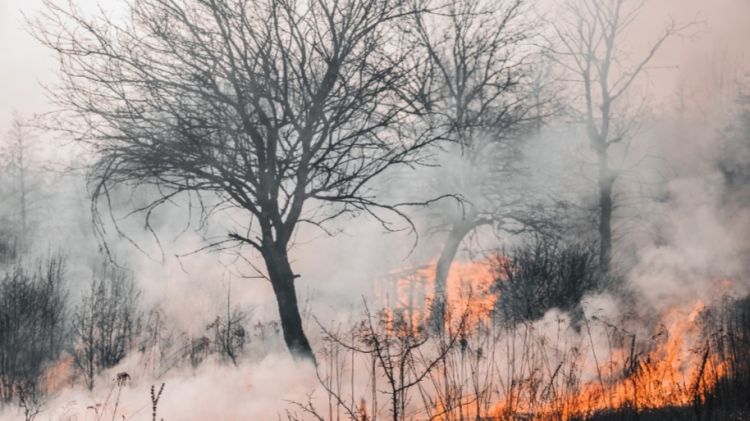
{"x": 23, "y": 63}
{"x": 721, "y": 43}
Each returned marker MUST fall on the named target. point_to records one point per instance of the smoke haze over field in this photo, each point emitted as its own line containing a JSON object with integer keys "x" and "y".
{"x": 682, "y": 230}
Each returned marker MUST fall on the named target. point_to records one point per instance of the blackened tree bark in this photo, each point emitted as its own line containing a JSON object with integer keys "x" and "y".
{"x": 606, "y": 206}
{"x": 286, "y": 110}
{"x": 280, "y": 271}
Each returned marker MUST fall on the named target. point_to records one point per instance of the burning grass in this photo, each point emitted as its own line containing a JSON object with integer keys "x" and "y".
{"x": 591, "y": 362}
{"x": 687, "y": 361}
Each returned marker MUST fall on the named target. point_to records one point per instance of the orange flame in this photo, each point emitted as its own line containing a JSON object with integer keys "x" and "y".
{"x": 673, "y": 367}
{"x": 468, "y": 293}
{"x": 58, "y": 376}
{"x": 676, "y": 372}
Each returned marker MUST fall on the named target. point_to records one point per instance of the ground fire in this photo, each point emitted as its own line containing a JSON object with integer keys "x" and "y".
{"x": 675, "y": 365}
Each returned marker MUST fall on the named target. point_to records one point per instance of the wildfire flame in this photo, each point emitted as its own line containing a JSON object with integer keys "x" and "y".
{"x": 675, "y": 373}
{"x": 468, "y": 293}
{"x": 673, "y": 367}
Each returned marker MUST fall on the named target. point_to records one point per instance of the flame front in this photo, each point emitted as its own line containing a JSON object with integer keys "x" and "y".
{"x": 546, "y": 377}
{"x": 677, "y": 372}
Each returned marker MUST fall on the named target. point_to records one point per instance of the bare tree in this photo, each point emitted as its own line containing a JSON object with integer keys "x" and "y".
{"x": 587, "y": 43}
{"x": 32, "y": 329}
{"x": 478, "y": 96}
{"x": 284, "y": 109}
{"x": 734, "y": 158}
{"x": 230, "y": 335}
{"x": 401, "y": 355}
{"x": 17, "y": 151}
{"x": 105, "y": 323}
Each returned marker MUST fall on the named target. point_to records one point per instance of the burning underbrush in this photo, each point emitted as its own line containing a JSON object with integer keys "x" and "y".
{"x": 527, "y": 335}
{"x": 607, "y": 357}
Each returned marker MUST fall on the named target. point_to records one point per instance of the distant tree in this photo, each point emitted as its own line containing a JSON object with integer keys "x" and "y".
{"x": 479, "y": 96}
{"x": 734, "y": 158}
{"x": 283, "y": 109}
{"x": 587, "y": 43}
{"x": 32, "y": 328}
{"x": 18, "y": 165}
{"x": 105, "y": 323}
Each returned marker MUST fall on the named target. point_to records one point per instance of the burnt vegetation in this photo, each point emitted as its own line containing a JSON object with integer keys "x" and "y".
{"x": 104, "y": 324}
{"x": 33, "y": 327}
{"x": 542, "y": 274}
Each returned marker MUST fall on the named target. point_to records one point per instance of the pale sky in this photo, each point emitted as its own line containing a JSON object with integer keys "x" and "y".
{"x": 23, "y": 63}
{"x": 720, "y": 45}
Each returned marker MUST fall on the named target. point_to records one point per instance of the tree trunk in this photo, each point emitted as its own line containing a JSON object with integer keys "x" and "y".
{"x": 447, "y": 255}
{"x": 282, "y": 281}
{"x": 22, "y": 186}
{"x": 605, "y": 215}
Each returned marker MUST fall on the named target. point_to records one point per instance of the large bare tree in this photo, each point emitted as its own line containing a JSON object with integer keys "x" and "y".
{"x": 589, "y": 43}
{"x": 285, "y": 109}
